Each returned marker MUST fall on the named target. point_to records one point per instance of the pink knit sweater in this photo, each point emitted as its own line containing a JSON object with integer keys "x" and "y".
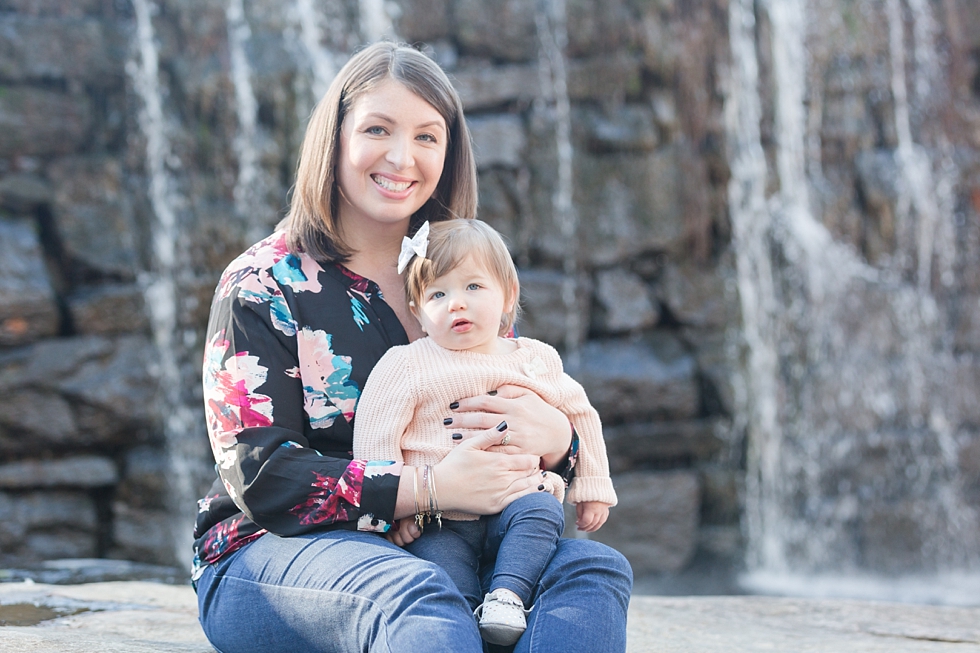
{"x": 400, "y": 411}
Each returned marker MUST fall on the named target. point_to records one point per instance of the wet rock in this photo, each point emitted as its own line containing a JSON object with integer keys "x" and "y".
{"x": 34, "y": 420}
{"x": 694, "y": 294}
{"x": 627, "y": 204}
{"x": 598, "y": 26}
{"x": 38, "y": 525}
{"x": 659, "y": 444}
{"x": 544, "y": 315}
{"x": 142, "y": 535}
{"x": 46, "y": 49}
{"x": 716, "y": 368}
{"x": 498, "y": 140}
{"x": 423, "y": 20}
{"x": 92, "y": 214}
{"x": 629, "y": 129}
{"x": 655, "y": 524}
{"x": 45, "y": 363}
{"x": 144, "y": 481}
{"x": 599, "y": 78}
{"x": 967, "y": 325}
{"x": 75, "y": 9}
{"x": 108, "y": 310}
{"x": 24, "y": 193}
{"x": 490, "y": 86}
{"x": 28, "y": 310}
{"x": 634, "y": 381}
{"x": 503, "y": 31}
{"x": 77, "y": 471}
{"x": 35, "y": 121}
{"x": 500, "y": 205}
{"x": 624, "y": 301}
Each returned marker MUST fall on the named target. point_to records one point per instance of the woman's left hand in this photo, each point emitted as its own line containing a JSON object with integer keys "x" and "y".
{"x": 533, "y": 425}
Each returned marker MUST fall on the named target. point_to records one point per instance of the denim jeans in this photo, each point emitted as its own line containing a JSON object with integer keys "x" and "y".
{"x": 345, "y": 591}
{"x": 508, "y": 550}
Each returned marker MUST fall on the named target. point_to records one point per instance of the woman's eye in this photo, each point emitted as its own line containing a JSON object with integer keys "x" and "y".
{"x": 375, "y": 131}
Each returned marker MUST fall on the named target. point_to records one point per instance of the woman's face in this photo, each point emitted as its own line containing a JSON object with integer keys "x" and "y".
{"x": 392, "y": 151}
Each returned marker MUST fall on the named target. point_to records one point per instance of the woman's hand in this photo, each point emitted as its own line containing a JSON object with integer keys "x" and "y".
{"x": 533, "y": 425}
{"x": 481, "y": 482}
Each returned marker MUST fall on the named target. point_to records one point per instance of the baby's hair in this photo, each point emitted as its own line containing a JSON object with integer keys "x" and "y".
{"x": 450, "y": 242}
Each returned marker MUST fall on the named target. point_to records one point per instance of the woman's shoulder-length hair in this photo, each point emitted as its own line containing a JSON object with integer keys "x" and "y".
{"x": 312, "y": 220}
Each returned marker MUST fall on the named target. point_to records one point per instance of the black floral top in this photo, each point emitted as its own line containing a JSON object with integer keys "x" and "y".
{"x": 289, "y": 346}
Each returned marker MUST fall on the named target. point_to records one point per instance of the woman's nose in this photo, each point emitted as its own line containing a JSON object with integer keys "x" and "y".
{"x": 400, "y": 154}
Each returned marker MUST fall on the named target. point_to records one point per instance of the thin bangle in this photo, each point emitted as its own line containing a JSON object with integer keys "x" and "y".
{"x": 418, "y": 516}
{"x": 433, "y": 500}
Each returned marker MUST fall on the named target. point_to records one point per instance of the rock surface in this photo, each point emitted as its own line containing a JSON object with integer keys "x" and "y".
{"x": 134, "y": 617}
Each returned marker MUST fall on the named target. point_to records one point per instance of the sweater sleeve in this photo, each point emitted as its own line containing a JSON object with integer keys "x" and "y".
{"x": 386, "y": 408}
{"x": 591, "y": 481}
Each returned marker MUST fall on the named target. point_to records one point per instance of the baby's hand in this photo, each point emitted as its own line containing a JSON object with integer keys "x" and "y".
{"x": 407, "y": 531}
{"x": 591, "y": 515}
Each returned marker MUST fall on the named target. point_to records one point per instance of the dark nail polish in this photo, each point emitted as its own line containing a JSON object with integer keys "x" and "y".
{"x": 457, "y": 436}
{"x": 502, "y": 427}
{"x": 454, "y": 405}
{"x": 541, "y": 487}
{"x": 492, "y": 393}
{"x": 447, "y": 421}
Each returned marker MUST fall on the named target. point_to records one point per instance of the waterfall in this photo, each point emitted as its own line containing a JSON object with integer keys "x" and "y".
{"x": 182, "y": 427}
{"x": 376, "y": 20}
{"x": 842, "y": 361}
{"x": 250, "y": 183}
{"x": 310, "y": 37}
{"x": 552, "y": 33}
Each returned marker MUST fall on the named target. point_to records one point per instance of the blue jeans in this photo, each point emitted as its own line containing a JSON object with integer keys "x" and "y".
{"x": 508, "y": 550}
{"x": 345, "y": 591}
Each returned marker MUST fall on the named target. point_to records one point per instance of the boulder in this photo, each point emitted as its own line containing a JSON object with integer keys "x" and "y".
{"x": 41, "y": 122}
{"x": 423, "y": 20}
{"x": 655, "y": 524}
{"x": 482, "y": 86}
{"x": 599, "y": 26}
{"x": 144, "y": 483}
{"x": 502, "y": 31}
{"x": 35, "y": 420}
{"x": 544, "y": 314}
{"x": 634, "y": 381}
{"x": 39, "y": 525}
{"x": 28, "y": 308}
{"x": 108, "y": 310}
{"x": 23, "y": 193}
{"x": 661, "y": 444}
{"x": 695, "y": 294}
{"x": 76, "y": 471}
{"x": 93, "y": 216}
{"x": 624, "y": 303}
{"x": 498, "y": 140}
{"x": 630, "y": 128}
{"x": 43, "y": 49}
{"x": 143, "y": 535}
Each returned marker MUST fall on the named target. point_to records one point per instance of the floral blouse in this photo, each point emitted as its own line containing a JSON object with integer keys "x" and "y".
{"x": 289, "y": 346}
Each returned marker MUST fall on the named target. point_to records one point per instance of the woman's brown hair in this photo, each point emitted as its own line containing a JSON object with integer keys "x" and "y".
{"x": 311, "y": 223}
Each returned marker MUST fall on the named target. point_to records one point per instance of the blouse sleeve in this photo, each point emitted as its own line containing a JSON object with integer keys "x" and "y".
{"x": 258, "y": 397}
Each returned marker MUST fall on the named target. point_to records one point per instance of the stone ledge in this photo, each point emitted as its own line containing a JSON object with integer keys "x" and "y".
{"x": 138, "y": 616}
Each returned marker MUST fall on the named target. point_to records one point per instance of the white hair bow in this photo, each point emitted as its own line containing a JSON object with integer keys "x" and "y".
{"x": 414, "y": 246}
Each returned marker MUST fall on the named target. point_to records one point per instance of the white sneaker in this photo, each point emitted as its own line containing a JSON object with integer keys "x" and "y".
{"x": 502, "y": 618}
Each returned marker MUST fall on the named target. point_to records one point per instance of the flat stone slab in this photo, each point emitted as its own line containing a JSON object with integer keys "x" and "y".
{"x": 140, "y": 616}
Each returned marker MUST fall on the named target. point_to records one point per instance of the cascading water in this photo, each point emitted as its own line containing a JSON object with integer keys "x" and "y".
{"x": 852, "y": 449}
{"x": 183, "y": 426}
{"x": 552, "y": 34}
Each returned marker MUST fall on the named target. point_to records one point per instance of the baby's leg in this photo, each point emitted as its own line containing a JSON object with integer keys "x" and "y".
{"x": 456, "y": 548}
{"x": 520, "y": 543}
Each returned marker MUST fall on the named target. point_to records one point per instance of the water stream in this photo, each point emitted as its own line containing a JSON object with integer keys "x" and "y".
{"x": 182, "y": 426}
{"x": 852, "y": 449}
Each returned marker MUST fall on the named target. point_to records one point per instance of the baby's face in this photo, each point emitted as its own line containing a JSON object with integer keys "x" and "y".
{"x": 462, "y": 309}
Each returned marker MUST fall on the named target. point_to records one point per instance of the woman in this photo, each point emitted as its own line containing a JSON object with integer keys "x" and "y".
{"x": 288, "y": 555}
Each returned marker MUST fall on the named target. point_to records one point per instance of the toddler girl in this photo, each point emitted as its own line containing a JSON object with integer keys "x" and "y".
{"x": 462, "y": 286}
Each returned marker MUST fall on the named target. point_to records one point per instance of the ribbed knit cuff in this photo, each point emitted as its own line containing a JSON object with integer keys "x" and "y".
{"x": 592, "y": 488}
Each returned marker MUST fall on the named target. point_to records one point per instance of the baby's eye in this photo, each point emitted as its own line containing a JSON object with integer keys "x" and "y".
{"x": 473, "y": 286}
{"x": 437, "y": 295}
